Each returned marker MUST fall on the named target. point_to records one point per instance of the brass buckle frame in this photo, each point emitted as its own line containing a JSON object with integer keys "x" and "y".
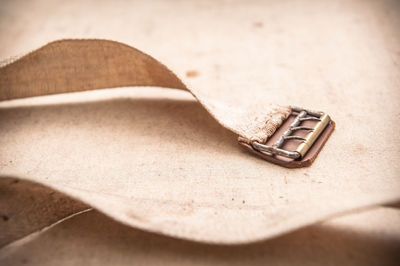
{"x": 305, "y": 142}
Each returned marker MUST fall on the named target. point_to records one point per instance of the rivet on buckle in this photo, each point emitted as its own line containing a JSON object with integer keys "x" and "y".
{"x": 297, "y": 141}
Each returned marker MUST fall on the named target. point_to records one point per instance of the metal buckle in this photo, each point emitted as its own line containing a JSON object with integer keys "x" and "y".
{"x": 307, "y": 127}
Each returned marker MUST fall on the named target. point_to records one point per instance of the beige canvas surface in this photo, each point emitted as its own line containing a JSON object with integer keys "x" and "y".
{"x": 156, "y": 160}
{"x": 346, "y": 241}
{"x": 370, "y": 237}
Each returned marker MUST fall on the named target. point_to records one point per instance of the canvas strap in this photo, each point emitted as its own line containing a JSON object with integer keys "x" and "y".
{"x": 80, "y": 65}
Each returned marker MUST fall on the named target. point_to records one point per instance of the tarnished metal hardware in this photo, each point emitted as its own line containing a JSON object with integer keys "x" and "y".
{"x": 306, "y": 141}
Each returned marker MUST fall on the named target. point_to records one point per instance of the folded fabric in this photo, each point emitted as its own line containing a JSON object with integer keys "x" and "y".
{"x": 156, "y": 160}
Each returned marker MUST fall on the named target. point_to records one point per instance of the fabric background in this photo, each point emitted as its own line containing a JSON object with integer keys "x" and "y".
{"x": 370, "y": 237}
{"x": 156, "y": 160}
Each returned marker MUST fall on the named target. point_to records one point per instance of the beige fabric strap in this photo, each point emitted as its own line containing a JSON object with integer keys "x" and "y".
{"x": 80, "y": 65}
